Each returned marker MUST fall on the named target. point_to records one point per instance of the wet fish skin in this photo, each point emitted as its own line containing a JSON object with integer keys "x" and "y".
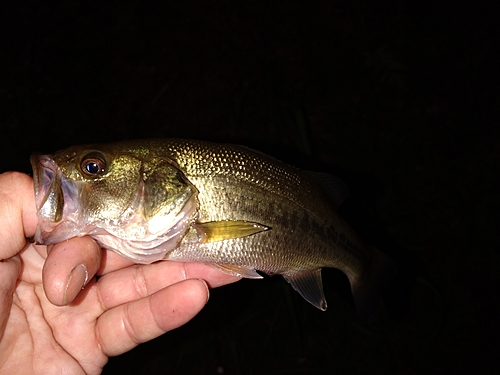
{"x": 281, "y": 221}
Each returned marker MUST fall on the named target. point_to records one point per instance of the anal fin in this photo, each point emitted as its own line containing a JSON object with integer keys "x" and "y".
{"x": 310, "y": 286}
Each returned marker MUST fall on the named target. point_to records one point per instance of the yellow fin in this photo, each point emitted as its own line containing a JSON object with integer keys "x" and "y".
{"x": 213, "y": 231}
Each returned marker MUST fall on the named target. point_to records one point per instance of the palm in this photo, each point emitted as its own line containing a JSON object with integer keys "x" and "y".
{"x": 62, "y": 337}
{"x": 123, "y": 308}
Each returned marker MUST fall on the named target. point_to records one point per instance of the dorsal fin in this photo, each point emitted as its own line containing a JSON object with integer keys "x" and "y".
{"x": 333, "y": 186}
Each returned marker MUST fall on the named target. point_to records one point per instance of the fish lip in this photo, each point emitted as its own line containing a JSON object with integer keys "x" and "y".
{"x": 44, "y": 171}
{"x": 49, "y": 196}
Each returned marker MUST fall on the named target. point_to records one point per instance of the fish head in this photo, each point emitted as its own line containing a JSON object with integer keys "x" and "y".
{"x": 135, "y": 203}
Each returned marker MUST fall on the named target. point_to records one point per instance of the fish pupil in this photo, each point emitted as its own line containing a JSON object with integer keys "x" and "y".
{"x": 92, "y": 167}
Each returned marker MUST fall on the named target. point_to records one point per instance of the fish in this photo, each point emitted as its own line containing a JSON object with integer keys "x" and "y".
{"x": 229, "y": 206}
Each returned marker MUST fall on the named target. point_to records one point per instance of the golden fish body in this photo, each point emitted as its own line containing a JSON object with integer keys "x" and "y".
{"x": 226, "y": 205}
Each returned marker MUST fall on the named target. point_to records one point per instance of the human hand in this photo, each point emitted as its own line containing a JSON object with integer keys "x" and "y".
{"x": 48, "y": 324}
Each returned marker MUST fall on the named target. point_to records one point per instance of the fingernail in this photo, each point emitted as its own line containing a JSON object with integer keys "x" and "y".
{"x": 208, "y": 290}
{"x": 76, "y": 281}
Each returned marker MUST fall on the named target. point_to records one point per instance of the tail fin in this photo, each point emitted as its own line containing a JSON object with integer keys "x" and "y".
{"x": 368, "y": 288}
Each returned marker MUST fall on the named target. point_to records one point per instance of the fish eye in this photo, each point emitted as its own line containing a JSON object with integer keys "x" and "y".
{"x": 93, "y": 165}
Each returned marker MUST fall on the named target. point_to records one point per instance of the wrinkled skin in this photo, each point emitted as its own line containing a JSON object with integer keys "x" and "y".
{"x": 48, "y": 327}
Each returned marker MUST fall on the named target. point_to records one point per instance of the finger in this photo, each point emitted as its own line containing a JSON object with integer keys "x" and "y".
{"x": 140, "y": 281}
{"x": 17, "y": 212}
{"x": 124, "y": 327}
{"x": 9, "y": 272}
{"x": 111, "y": 261}
{"x": 69, "y": 267}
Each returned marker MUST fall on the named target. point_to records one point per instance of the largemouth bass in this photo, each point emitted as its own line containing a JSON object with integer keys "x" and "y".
{"x": 185, "y": 200}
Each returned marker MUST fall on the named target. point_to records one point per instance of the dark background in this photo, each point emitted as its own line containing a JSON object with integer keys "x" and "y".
{"x": 398, "y": 99}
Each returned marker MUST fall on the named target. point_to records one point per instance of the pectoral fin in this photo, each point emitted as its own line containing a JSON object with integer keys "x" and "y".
{"x": 310, "y": 286}
{"x": 249, "y": 273}
{"x": 214, "y": 231}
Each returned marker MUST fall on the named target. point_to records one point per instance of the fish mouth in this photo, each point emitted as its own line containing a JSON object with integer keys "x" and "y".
{"x": 52, "y": 195}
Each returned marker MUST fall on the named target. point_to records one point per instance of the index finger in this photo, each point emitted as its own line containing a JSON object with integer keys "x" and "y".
{"x": 139, "y": 281}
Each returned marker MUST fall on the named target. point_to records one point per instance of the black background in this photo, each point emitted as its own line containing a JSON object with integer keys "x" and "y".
{"x": 398, "y": 99}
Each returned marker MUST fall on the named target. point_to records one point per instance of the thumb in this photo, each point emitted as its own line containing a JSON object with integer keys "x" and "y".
{"x": 68, "y": 268}
{"x": 17, "y": 212}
